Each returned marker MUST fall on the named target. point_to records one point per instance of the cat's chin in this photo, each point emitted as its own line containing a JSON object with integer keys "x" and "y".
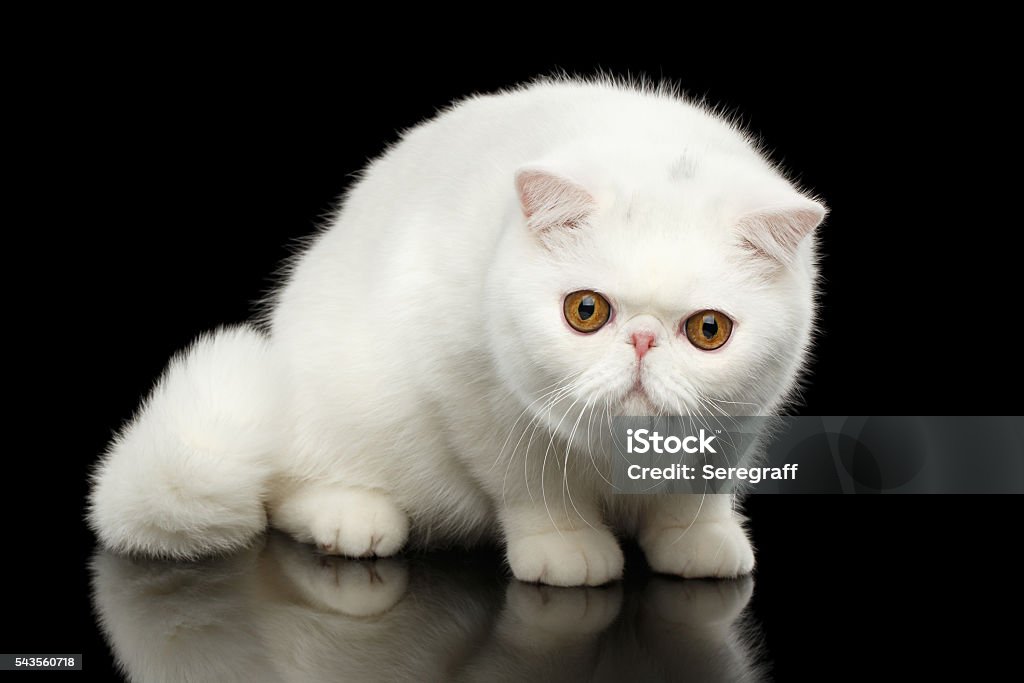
{"x": 635, "y": 404}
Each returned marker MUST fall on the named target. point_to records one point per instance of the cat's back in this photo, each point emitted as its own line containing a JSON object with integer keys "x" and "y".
{"x": 480, "y": 136}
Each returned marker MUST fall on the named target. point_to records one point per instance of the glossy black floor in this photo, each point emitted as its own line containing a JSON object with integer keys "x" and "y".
{"x": 846, "y": 587}
{"x": 281, "y": 611}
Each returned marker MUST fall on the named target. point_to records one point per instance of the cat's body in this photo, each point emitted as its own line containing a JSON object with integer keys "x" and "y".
{"x": 421, "y": 381}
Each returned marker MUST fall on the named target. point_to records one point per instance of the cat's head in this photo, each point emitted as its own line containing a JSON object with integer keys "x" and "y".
{"x": 682, "y": 292}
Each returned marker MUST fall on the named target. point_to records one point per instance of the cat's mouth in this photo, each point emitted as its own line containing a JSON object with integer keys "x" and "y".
{"x": 637, "y": 397}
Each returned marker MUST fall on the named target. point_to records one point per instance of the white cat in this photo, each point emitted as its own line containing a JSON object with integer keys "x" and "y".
{"x": 440, "y": 358}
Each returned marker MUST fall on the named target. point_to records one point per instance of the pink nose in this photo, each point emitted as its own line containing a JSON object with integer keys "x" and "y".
{"x": 642, "y": 342}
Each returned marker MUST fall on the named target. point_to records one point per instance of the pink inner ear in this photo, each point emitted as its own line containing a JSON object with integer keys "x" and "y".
{"x": 776, "y": 232}
{"x": 551, "y": 201}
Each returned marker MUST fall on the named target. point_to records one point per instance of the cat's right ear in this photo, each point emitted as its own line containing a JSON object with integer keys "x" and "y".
{"x": 775, "y": 232}
{"x": 550, "y": 201}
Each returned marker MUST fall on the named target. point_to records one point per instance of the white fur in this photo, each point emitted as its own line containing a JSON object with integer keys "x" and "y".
{"x": 430, "y": 389}
{"x": 188, "y": 475}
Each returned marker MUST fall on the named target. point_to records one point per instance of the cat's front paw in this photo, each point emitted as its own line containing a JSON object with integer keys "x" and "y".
{"x": 705, "y": 549}
{"x": 580, "y": 557}
{"x": 344, "y": 521}
{"x": 360, "y": 524}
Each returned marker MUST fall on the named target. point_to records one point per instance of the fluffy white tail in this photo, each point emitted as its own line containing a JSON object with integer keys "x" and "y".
{"x": 188, "y": 476}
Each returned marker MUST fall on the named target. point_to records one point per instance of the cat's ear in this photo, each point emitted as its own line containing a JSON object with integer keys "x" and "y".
{"x": 551, "y": 201}
{"x": 774, "y": 232}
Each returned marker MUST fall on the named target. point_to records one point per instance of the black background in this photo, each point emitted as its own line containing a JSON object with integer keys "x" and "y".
{"x": 174, "y": 176}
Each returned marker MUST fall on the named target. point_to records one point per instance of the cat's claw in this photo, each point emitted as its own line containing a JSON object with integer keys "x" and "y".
{"x": 706, "y": 549}
{"x": 580, "y": 557}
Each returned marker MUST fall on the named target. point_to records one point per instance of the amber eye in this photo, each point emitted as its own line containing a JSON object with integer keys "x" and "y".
{"x": 587, "y": 311}
{"x": 708, "y": 330}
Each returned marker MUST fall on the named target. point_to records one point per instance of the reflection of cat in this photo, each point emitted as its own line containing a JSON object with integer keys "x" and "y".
{"x": 285, "y": 613}
{"x": 442, "y": 359}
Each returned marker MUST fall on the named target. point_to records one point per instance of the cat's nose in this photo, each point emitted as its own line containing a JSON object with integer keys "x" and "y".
{"x": 643, "y": 340}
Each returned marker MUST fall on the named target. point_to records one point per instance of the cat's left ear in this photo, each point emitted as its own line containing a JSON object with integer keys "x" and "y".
{"x": 551, "y": 201}
{"x": 774, "y": 232}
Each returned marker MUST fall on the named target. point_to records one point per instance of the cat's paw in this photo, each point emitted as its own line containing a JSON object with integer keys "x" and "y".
{"x": 360, "y": 524}
{"x": 581, "y": 557}
{"x": 712, "y": 549}
{"x": 549, "y": 610}
{"x": 344, "y": 521}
